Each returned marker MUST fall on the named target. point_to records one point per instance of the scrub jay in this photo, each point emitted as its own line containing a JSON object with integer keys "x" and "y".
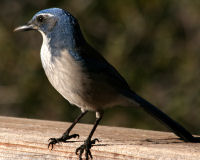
{"x": 83, "y": 77}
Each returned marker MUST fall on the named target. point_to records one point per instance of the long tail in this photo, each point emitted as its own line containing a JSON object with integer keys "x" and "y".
{"x": 162, "y": 117}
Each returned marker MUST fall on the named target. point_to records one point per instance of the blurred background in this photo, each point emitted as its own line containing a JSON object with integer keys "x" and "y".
{"x": 154, "y": 44}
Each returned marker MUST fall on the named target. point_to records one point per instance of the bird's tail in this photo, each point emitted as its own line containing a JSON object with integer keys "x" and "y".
{"x": 162, "y": 117}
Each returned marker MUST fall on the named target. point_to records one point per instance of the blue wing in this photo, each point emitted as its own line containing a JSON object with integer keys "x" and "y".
{"x": 97, "y": 66}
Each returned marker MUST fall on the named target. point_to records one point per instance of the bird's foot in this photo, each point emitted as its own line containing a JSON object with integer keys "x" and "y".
{"x": 86, "y": 146}
{"x": 63, "y": 139}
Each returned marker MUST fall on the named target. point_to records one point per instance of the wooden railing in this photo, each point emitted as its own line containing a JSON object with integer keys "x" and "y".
{"x": 27, "y": 139}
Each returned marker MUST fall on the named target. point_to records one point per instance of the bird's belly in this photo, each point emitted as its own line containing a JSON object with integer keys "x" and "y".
{"x": 69, "y": 86}
{"x": 79, "y": 90}
{"x": 64, "y": 84}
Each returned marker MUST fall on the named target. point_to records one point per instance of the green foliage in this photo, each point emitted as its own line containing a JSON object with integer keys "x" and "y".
{"x": 154, "y": 44}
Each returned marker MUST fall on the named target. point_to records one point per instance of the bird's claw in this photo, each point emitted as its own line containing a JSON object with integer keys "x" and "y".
{"x": 86, "y": 147}
{"x": 52, "y": 142}
{"x": 63, "y": 139}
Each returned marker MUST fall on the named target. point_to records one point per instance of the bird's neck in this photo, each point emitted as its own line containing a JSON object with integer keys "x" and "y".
{"x": 65, "y": 37}
{"x": 59, "y": 40}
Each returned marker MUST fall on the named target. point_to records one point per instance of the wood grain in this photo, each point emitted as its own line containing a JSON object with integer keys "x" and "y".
{"x": 27, "y": 139}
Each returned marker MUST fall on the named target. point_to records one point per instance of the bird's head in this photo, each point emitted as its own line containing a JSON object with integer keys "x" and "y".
{"x": 57, "y": 25}
{"x": 47, "y": 20}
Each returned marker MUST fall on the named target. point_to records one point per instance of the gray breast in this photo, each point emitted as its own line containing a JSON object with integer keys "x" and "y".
{"x": 65, "y": 74}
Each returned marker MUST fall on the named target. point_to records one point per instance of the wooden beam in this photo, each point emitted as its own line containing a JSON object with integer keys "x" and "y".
{"x": 27, "y": 139}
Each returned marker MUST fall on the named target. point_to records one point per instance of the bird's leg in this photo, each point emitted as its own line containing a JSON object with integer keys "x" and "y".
{"x": 86, "y": 146}
{"x": 66, "y": 135}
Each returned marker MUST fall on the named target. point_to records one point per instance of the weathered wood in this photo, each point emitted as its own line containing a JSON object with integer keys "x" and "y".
{"x": 27, "y": 139}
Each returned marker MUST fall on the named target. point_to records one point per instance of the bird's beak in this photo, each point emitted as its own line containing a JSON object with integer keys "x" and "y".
{"x": 27, "y": 27}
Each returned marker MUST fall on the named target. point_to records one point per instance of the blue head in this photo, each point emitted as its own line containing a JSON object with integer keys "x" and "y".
{"x": 58, "y": 26}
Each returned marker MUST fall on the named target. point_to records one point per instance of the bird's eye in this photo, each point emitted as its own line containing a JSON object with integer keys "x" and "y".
{"x": 40, "y": 18}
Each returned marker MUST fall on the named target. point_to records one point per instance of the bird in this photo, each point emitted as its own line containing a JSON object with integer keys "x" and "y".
{"x": 84, "y": 77}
